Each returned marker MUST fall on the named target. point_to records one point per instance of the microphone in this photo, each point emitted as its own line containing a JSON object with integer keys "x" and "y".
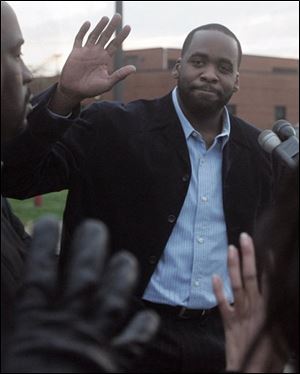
{"x": 287, "y": 151}
{"x": 284, "y": 129}
{"x": 268, "y": 140}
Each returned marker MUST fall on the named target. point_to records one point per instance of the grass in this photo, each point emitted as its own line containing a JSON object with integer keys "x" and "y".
{"x": 28, "y": 212}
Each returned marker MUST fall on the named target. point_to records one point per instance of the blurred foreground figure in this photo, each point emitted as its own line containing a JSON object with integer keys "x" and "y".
{"x": 74, "y": 321}
{"x": 262, "y": 327}
{"x": 64, "y": 322}
{"x": 15, "y": 96}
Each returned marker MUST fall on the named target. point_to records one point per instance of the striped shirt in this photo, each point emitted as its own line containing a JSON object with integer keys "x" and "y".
{"x": 197, "y": 246}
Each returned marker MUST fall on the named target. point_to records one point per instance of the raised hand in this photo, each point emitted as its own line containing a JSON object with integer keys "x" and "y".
{"x": 245, "y": 319}
{"x": 86, "y": 71}
{"x": 75, "y": 321}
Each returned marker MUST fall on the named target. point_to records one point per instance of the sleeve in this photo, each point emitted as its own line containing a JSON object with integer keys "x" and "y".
{"x": 48, "y": 154}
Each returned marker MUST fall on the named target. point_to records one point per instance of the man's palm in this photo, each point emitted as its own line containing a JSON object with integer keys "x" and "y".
{"x": 86, "y": 71}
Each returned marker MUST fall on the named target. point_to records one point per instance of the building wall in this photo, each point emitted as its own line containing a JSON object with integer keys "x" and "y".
{"x": 265, "y": 82}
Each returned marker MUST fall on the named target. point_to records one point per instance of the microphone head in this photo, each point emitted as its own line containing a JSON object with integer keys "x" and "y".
{"x": 284, "y": 129}
{"x": 268, "y": 140}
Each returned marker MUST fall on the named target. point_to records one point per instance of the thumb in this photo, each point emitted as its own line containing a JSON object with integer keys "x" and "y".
{"x": 121, "y": 74}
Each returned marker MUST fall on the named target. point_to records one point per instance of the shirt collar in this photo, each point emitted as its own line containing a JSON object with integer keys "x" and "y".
{"x": 189, "y": 129}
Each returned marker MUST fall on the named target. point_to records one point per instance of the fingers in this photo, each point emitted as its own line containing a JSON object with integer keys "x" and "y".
{"x": 94, "y": 35}
{"x": 40, "y": 271}
{"x": 81, "y": 34}
{"x": 102, "y": 33}
{"x": 243, "y": 278}
{"x": 110, "y": 29}
{"x": 121, "y": 74}
{"x": 139, "y": 332}
{"x": 86, "y": 261}
{"x": 116, "y": 289}
{"x": 223, "y": 304}
{"x": 234, "y": 270}
{"x": 133, "y": 340}
{"x": 100, "y": 37}
{"x": 249, "y": 267}
{"x": 118, "y": 40}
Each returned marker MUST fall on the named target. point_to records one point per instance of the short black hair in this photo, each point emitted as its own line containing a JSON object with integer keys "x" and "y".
{"x": 214, "y": 27}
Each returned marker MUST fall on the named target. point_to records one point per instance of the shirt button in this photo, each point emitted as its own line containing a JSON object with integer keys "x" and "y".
{"x": 197, "y": 283}
{"x": 200, "y": 240}
{"x": 152, "y": 260}
{"x": 171, "y": 218}
{"x": 186, "y": 177}
{"x": 194, "y": 134}
{"x": 204, "y": 198}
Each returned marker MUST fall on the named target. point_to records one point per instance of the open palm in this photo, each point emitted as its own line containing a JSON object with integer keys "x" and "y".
{"x": 243, "y": 320}
{"x": 86, "y": 71}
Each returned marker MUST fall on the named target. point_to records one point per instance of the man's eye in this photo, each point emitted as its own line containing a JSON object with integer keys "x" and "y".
{"x": 225, "y": 68}
{"x": 198, "y": 62}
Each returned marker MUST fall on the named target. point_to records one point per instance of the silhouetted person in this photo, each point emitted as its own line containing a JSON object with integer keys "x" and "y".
{"x": 15, "y": 94}
{"x": 67, "y": 320}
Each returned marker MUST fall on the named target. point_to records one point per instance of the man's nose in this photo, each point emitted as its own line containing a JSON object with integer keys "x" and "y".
{"x": 209, "y": 74}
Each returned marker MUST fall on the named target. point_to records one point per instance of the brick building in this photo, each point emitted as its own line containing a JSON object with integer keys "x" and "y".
{"x": 269, "y": 86}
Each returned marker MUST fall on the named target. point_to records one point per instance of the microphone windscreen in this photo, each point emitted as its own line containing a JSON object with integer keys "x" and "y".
{"x": 284, "y": 129}
{"x": 268, "y": 140}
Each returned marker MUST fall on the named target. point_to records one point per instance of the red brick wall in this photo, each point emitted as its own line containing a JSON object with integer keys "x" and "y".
{"x": 261, "y": 89}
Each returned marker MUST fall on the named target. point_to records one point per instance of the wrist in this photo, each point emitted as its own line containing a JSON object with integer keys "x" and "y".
{"x": 62, "y": 103}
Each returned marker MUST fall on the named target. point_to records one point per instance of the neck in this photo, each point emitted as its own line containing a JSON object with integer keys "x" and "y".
{"x": 209, "y": 126}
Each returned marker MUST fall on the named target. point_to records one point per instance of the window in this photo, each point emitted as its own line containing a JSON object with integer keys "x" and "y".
{"x": 286, "y": 71}
{"x": 231, "y": 109}
{"x": 280, "y": 112}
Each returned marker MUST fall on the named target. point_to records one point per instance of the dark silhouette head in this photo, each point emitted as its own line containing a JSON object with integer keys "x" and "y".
{"x": 277, "y": 239}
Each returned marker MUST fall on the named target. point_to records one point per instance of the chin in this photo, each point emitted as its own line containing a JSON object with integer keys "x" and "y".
{"x": 205, "y": 102}
{"x": 209, "y": 110}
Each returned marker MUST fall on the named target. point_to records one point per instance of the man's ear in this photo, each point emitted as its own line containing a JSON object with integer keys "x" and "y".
{"x": 176, "y": 69}
{"x": 236, "y": 86}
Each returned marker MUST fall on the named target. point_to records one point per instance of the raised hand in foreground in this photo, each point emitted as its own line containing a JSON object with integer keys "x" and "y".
{"x": 244, "y": 320}
{"x": 75, "y": 322}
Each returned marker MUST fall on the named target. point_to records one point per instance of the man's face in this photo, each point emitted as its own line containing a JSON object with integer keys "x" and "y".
{"x": 207, "y": 73}
{"x": 14, "y": 76}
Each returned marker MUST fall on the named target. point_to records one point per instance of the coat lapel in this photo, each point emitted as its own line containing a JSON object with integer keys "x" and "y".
{"x": 236, "y": 145}
{"x": 169, "y": 126}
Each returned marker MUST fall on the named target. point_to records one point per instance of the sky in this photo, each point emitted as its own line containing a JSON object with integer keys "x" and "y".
{"x": 265, "y": 28}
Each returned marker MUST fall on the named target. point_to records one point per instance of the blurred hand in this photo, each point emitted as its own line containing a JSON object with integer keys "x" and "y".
{"x": 85, "y": 73}
{"x": 74, "y": 322}
{"x": 245, "y": 319}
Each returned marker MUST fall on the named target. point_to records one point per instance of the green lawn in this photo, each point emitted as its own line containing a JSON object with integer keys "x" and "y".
{"x": 52, "y": 203}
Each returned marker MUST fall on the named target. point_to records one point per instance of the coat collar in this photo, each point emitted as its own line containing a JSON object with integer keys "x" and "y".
{"x": 167, "y": 123}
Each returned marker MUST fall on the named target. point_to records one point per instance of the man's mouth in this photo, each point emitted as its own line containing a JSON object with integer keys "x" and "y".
{"x": 206, "y": 89}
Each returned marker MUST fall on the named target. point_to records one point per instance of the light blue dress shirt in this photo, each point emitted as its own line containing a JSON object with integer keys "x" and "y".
{"x": 198, "y": 245}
